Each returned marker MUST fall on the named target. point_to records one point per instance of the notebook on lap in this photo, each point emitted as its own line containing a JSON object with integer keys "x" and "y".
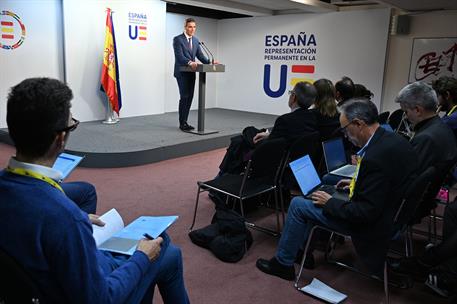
{"x": 307, "y": 178}
{"x": 335, "y": 158}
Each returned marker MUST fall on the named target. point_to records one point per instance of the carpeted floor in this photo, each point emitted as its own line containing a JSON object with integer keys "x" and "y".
{"x": 169, "y": 187}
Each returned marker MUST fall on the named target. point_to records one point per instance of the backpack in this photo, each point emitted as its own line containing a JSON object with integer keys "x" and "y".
{"x": 226, "y": 237}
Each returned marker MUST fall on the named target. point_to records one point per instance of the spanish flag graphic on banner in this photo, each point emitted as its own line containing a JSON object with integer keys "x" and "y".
{"x": 110, "y": 70}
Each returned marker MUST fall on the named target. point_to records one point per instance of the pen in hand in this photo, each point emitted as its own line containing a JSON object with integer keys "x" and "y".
{"x": 149, "y": 237}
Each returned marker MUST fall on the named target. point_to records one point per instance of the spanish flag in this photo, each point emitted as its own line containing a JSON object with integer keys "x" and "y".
{"x": 110, "y": 70}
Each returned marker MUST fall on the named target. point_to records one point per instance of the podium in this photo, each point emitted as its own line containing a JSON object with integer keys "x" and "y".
{"x": 202, "y": 69}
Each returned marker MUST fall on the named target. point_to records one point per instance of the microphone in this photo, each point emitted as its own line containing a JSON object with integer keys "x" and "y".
{"x": 212, "y": 57}
{"x": 204, "y": 49}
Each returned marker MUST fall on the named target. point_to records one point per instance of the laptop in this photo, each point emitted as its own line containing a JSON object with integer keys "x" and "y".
{"x": 307, "y": 178}
{"x": 335, "y": 158}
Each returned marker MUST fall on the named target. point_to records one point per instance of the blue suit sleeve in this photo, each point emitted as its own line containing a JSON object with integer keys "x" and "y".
{"x": 201, "y": 56}
{"x": 82, "y": 278}
{"x": 178, "y": 48}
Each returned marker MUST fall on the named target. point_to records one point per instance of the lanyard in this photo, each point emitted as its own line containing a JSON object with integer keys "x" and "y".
{"x": 36, "y": 175}
{"x": 452, "y": 110}
{"x": 354, "y": 177}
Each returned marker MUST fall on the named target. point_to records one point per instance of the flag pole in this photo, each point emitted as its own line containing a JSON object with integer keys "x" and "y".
{"x": 110, "y": 73}
{"x": 110, "y": 117}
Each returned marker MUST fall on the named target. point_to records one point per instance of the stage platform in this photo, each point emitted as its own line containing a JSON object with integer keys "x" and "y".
{"x": 147, "y": 139}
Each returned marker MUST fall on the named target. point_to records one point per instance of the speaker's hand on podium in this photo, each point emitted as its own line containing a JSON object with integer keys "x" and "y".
{"x": 193, "y": 65}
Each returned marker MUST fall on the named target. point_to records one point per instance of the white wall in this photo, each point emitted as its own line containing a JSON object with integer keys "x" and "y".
{"x": 430, "y": 25}
{"x": 141, "y": 63}
{"x": 348, "y": 43}
{"x": 41, "y": 52}
{"x": 206, "y": 32}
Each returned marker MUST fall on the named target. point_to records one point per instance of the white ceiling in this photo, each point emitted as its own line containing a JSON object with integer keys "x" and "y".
{"x": 276, "y": 7}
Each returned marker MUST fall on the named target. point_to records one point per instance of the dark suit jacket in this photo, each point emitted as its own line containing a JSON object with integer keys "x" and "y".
{"x": 293, "y": 125}
{"x": 388, "y": 166}
{"x": 183, "y": 54}
{"x": 434, "y": 142}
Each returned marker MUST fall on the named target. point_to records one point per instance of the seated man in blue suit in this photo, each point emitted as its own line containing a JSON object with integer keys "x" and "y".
{"x": 186, "y": 47}
{"x": 49, "y": 235}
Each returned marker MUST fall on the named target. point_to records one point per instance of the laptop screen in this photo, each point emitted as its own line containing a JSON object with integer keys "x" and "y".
{"x": 305, "y": 174}
{"x": 334, "y": 154}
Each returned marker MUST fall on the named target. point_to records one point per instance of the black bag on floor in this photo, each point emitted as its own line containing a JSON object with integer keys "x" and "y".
{"x": 227, "y": 237}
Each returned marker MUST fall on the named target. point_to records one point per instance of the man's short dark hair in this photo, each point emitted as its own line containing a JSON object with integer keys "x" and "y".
{"x": 345, "y": 87}
{"x": 36, "y": 109}
{"x": 446, "y": 84}
{"x": 362, "y": 109}
{"x": 189, "y": 20}
{"x": 306, "y": 94}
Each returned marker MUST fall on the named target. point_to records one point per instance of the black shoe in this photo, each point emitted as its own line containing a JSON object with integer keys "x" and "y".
{"x": 273, "y": 267}
{"x": 309, "y": 260}
{"x": 410, "y": 266}
{"x": 185, "y": 127}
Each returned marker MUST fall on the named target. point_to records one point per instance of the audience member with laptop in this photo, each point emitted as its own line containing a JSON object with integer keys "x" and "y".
{"x": 386, "y": 164}
{"x": 48, "y": 234}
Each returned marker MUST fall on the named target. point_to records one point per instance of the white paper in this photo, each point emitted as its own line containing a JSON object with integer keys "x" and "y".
{"x": 113, "y": 223}
{"x": 324, "y": 292}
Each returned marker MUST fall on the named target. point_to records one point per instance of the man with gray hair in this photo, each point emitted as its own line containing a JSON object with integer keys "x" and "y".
{"x": 386, "y": 164}
{"x": 432, "y": 139}
{"x": 298, "y": 122}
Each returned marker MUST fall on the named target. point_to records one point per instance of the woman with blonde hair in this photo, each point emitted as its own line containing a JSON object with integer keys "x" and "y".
{"x": 325, "y": 109}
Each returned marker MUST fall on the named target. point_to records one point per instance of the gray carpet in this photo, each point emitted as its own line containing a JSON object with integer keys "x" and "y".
{"x": 147, "y": 139}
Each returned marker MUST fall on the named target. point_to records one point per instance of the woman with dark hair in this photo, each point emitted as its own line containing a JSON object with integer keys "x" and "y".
{"x": 325, "y": 109}
{"x": 361, "y": 91}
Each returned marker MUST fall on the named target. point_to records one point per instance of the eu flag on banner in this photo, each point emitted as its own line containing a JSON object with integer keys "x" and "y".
{"x": 110, "y": 70}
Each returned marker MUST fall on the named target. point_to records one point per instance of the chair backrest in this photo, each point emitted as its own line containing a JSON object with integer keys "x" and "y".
{"x": 428, "y": 202}
{"x": 267, "y": 158}
{"x": 17, "y": 285}
{"x": 395, "y": 119}
{"x": 413, "y": 197}
{"x": 306, "y": 145}
{"x": 383, "y": 117}
{"x": 329, "y": 130}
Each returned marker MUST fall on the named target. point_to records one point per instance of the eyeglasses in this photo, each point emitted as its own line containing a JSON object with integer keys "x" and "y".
{"x": 343, "y": 129}
{"x": 72, "y": 127}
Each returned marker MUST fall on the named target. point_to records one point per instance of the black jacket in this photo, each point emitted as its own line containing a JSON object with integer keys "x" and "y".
{"x": 293, "y": 125}
{"x": 388, "y": 166}
{"x": 433, "y": 142}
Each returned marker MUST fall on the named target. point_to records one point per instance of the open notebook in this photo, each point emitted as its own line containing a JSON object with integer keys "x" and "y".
{"x": 308, "y": 180}
{"x": 335, "y": 158}
{"x": 115, "y": 237}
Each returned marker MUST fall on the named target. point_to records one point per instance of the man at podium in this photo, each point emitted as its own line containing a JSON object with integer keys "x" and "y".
{"x": 186, "y": 47}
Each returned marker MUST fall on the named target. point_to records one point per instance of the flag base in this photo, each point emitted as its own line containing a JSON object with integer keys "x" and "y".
{"x": 110, "y": 120}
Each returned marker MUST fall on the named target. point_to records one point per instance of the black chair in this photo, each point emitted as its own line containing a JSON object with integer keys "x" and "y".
{"x": 306, "y": 145}
{"x": 427, "y": 207}
{"x": 405, "y": 212}
{"x": 395, "y": 119}
{"x": 383, "y": 117}
{"x": 17, "y": 285}
{"x": 260, "y": 176}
